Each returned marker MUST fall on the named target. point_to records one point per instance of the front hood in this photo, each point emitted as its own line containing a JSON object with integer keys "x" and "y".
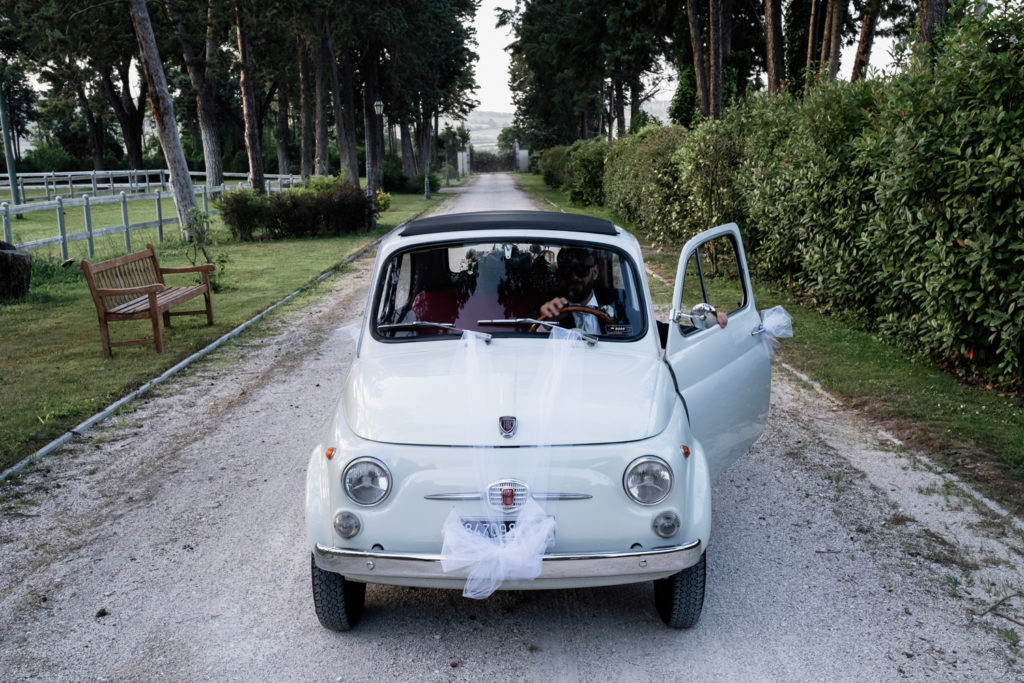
{"x": 438, "y": 394}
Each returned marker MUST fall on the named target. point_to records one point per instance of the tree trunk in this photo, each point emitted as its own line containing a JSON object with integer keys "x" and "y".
{"x": 715, "y": 70}
{"x": 826, "y": 35}
{"x": 408, "y": 155}
{"x": 348, "y": 153}
{"x": 163, "y": 116}
{"x": 253, "y": 145}
{"x": 323, "y": 162}
{"x": 726, "y": 14}
{"x": 305, "y": 109}
{"x": 281, "y": 132}
{"x": 703, "y": 96}
{"x": 933, "y": 13}
{"x": 835, "y": 48}
{"x": 636, "y": 97}
{"x": 95, "y": 128}
{"x": 129, "y": 115}
{"x": 9, "y": 156}
{"x": 200, "y": 73}
{"x": 425, "y": 154}
{"x": 349, "y": 102}
{"x": 620, "y": 109}
{"x": 867, "y": 36}
{"x": 774, "y": 63}
{"x": 374, "y": 139}
{"x": 812, "y": 43}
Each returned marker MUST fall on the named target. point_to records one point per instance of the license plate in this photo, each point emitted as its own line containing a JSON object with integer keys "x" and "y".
{"x": 491, "y": 528}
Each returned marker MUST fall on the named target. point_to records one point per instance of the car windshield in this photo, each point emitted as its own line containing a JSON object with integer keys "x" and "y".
{"x": 500, "y": 287}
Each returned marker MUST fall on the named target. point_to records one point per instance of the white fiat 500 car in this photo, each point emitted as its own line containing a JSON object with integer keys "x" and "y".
{"x": 515, "y": 417}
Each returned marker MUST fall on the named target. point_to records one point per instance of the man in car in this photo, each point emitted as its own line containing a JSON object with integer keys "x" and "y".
{"x": 578, "y": 273}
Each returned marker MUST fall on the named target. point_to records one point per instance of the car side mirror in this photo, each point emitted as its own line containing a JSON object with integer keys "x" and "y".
{"x": 702, "y": 316}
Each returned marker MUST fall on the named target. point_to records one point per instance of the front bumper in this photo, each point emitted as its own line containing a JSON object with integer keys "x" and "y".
{"x": 557, "y": 571}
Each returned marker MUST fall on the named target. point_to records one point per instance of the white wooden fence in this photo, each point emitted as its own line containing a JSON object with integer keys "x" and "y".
{"x": 46, "y": 186}
{"x": 87, "y": 201}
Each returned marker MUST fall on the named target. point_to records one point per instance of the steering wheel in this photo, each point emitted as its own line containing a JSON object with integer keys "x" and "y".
{"x": 578, "y": 309}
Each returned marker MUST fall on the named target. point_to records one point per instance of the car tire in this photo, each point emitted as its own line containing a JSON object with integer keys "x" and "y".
{"x": 338, "y": 601}
{"x": 679, "y": 598}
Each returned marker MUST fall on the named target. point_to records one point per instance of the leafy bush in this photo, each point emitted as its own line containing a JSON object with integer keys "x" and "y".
{"x": 381, "y": 201}
{"x": 805, "y": 191}
{"x": 393, "y": 178}
{"x": 415, "y": 185}
{"x": 707, "y": 161}
{"x": 328, "y": 206}
{"x": 584, "y": 171}
{"x": 552, "y": 165}
{"x": 533, "y": 164}
{"x": 948, "y": 185}
{"x": 245, "y": 212}
{"x": 896, "y": 203}
{"x": 486, "y": 161}
{"x": 46, "y": 159}
{"x": 641, "y": 183}
{"x": 324, "y": 183}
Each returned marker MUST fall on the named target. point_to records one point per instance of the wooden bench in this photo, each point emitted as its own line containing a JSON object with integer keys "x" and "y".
{"x": 132, "y": 288}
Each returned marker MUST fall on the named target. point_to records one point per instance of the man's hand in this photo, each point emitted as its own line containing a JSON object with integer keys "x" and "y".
{"x": 553, "y": 308}
{"x": 722, "y": 318}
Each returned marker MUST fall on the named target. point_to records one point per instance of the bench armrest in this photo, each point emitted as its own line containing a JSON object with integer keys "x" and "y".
{"x": 206, "y": 267}
{"x": 122, "y": 291}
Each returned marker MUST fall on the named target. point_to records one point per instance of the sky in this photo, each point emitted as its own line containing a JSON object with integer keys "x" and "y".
{"x": 492, "y": 69}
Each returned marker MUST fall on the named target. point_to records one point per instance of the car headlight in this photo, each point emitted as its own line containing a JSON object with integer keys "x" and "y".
{"x": 366, "y": 481}
{"x": 648, "y": 480}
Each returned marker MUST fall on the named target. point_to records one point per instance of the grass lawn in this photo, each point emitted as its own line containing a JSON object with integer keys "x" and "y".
{"x": 975, "y": 433}
{"x": 52, "y": 371}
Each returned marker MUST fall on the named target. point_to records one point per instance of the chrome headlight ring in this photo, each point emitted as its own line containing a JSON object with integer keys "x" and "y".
{"x": 366, "y": 481}
{"x": 647, "y": 480}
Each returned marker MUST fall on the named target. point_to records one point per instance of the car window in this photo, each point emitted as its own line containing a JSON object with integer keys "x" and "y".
{"x": 713, "y": 277}
{"x": 499, "y": 288}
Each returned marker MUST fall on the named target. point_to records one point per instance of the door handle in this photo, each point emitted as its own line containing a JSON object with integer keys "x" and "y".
{"x": 757, "y": 330}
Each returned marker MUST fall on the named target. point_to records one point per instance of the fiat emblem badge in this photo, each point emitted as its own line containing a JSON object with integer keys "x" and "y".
{"x": 507, "y": 424}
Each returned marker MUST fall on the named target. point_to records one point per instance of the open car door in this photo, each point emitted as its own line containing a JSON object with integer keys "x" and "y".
{"x": 723, "y": 374}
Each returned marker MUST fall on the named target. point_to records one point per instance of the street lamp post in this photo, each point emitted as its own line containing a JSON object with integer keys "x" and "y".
{"x": 372, "y": 164}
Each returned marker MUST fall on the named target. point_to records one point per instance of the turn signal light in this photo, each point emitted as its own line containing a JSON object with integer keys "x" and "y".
{"x": 686, "y": 451}
{"x": 330, "y": 453}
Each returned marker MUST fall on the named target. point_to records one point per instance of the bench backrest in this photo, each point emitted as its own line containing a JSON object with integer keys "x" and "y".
{"x": 132, "y": 270}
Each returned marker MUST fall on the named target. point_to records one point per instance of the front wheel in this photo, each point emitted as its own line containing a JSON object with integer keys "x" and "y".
{"x": 679, "y": 598}
{"x": 338, "y": 601}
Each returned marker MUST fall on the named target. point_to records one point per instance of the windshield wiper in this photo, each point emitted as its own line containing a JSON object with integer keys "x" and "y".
{"x": 413, "y": 324}
{"x": 589, "y": 338}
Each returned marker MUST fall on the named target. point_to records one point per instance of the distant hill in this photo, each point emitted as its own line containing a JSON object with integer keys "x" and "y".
{"x": 484, "y": 126}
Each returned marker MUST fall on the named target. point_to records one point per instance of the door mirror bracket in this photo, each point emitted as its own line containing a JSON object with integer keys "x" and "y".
{"x": 701, "y": 316}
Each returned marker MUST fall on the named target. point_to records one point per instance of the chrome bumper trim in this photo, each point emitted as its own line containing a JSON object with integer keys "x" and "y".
{"x": 536, "y": 496}
{"x": 366, "y": 565}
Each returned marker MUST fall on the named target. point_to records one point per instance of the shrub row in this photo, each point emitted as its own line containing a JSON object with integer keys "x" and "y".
{"x": 326, "y": 206}
{"x": 395, "y": 180}
{"x": 898, "y": 203}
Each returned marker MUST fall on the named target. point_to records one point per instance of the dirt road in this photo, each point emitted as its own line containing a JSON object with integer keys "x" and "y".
{"x": 169, "y": 545}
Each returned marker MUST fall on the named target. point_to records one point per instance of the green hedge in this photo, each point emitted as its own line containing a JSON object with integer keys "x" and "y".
{"x": 584, "y": 171}
{"x": 641, "y": 182}
{"x": 324, "y": 207}
{"x": 552, "y": 165}
{"x": 897, "y": 203}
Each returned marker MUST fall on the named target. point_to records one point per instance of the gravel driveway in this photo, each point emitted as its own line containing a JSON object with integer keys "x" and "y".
{"x": 169, "y": 543}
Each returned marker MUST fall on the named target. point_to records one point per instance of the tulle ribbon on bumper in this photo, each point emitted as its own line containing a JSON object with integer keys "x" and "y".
{"x": 517, "y": 554}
